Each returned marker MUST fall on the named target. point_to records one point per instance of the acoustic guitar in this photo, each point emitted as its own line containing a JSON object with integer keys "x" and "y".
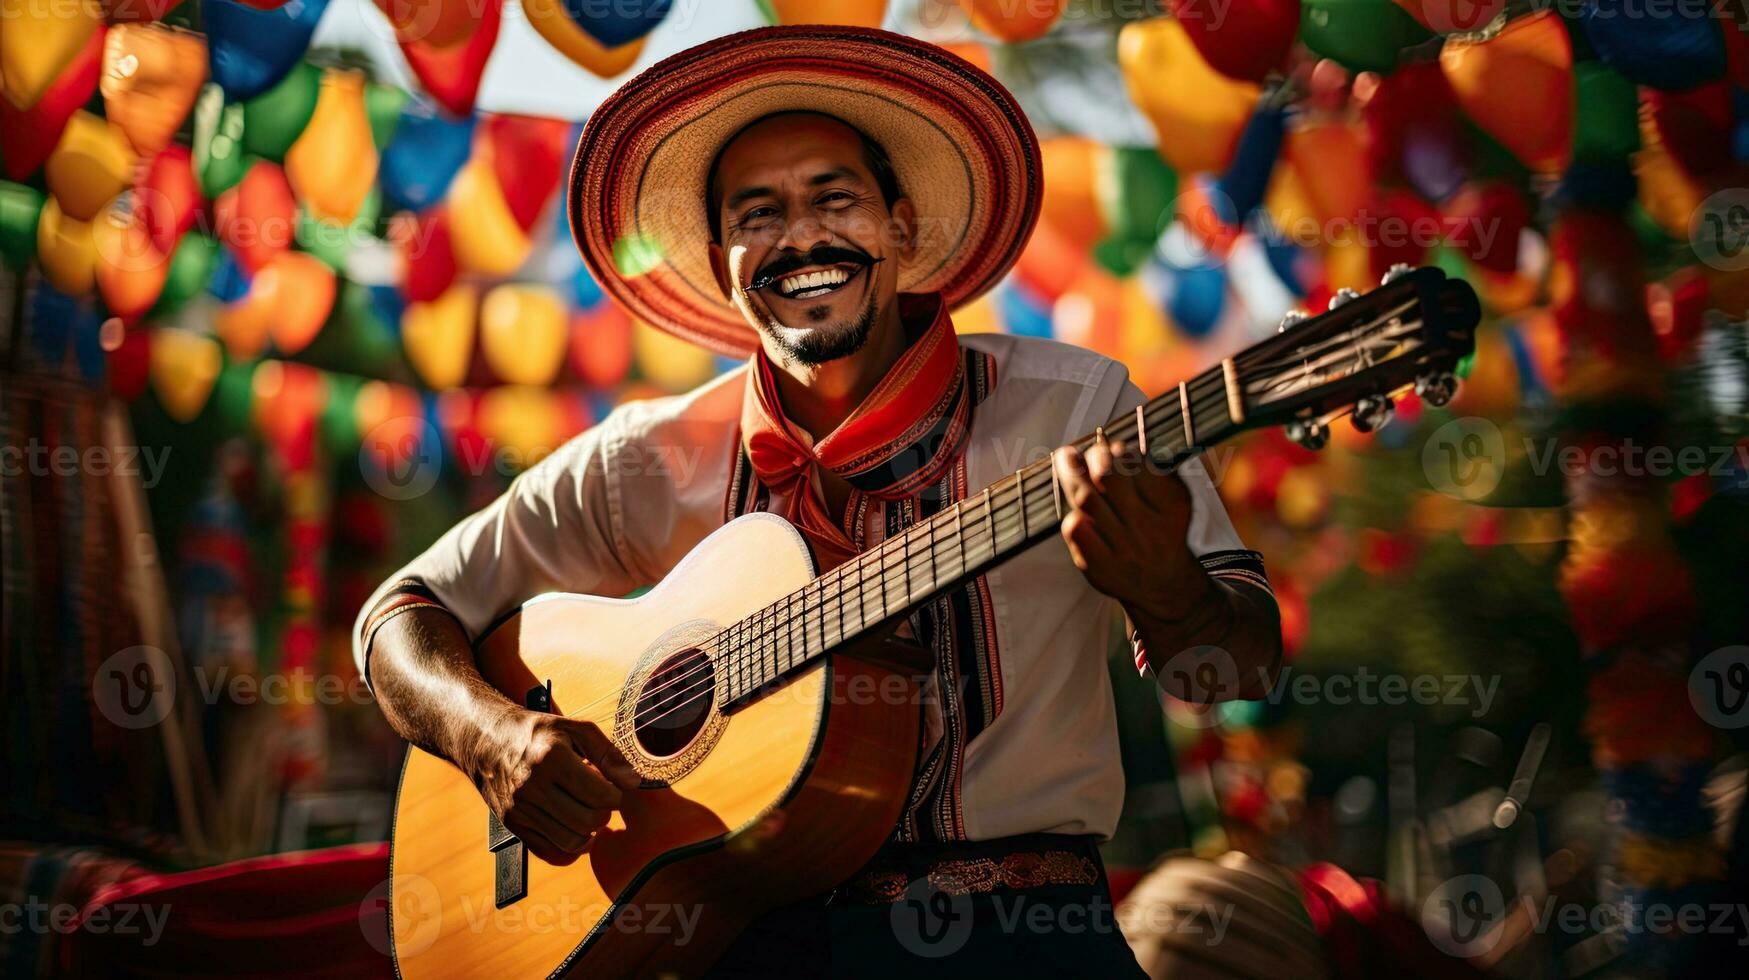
{"x": 770, "y": 710}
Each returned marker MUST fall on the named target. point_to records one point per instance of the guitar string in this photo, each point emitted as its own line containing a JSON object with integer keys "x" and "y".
{"x": 746, "y": 646}
{"x": 737, "y": 656}
{"x": 1011, "y": 490}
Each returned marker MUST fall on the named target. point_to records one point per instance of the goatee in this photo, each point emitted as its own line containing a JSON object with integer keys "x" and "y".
{"x": 819, "y": 346}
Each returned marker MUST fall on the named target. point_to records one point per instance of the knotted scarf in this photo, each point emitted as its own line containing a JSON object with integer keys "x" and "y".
{"x": 900, "y": 439}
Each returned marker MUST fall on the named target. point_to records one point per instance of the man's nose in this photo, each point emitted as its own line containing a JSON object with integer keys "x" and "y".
{"x": 803, "y": 234}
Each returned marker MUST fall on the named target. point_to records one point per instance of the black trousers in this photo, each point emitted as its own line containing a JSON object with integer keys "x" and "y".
{"x": 1054, "y": 930}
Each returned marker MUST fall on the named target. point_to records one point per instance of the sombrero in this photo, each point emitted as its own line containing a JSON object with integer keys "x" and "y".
{"x": 962, "y": 149}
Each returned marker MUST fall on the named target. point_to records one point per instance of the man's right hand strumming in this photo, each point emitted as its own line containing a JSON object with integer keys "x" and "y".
{"x": 552, "y": 780}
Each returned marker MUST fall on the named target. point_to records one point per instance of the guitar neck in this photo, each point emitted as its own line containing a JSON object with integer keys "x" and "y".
{"x": 873, "y": 590}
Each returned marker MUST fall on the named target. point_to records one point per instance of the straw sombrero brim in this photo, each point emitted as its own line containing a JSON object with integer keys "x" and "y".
{"x": 960, "y": 145}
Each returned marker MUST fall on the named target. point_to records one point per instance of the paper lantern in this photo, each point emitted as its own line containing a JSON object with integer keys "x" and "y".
{"x": 91, "y": 164}
{"x": 1694, "y": 127}
{"x": 1022, "y": 311}
{"x": 1135, "y": 190}
{"x": 331, "y": 241}
{"x": 439, "y": 23}
{"x": 851, "y": 13}
{"x": 40, "y": 41}
{"x": 191, "y": 267}
{"x": 551, "y": 22}
{"x": 1329, "y": 161}
{"x": 219, "y": 161}
{"x": 1680, "y": 48}
{"x": 1071, "y": 204}
{"x": 1197, "y": 112}
{"x": 250, "y": 50}
{"x": 129, "y": 366}
{"x": 1518, "y": 87}
{"x": 1247, "y": 40}
{"x": 21, "y": 207}
{"x": 1090, "y": 314}
{"x": 1012, "y": 22}
{"x": 273, "y": 120}
{"x": 525, "y": 424}
{"x": 668, "y": 361}
{"x": 486, "y": 236}
{"x": 383, "y": 104}
{"x": 438, "y": 336}
{"x": 302, "y": 289}
{"x": 130, "y": 269}
{"x": 523, "y": 333}
{"x": 28, "y": 136}
{"x": 1405, "y": 227}
{"x": 1414, "y": 132}
{"x": 451, "y": 74}
{"x": 246, "y": 323}
{"x": 428, "y": 149}
{"x": 1048, "y": 263}
{"x": 184, "y": 365}
{"x": 601, "y": 345}
{"x": 333, "y": 165}
{"x": 1484, "y": 222}
{"x": 1453, "y": 16}
{"x": 257, "y": 218}
{"x": 137, "y": 11}
{"x": 528, "y": 156}
{"x": 167, "y": 198}
{"x": 65, "y": 250}
{"x": 619, "y": 23}
{"x": 151, "y": 77}
{"x": 1360, "y": 35}
{"x": 428, "y": 261}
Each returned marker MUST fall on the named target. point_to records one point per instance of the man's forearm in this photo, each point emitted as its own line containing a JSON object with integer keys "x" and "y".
{"x": 429, "y": 688}
{"x": 1241, "y": 620}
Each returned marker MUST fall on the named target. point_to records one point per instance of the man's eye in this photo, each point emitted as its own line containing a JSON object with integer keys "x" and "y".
{"x": 758, "y": 214}
{"x": 835, "y": 197}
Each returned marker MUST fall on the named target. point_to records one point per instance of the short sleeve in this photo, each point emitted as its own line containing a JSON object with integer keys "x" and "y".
{"x": 555, "y": 528}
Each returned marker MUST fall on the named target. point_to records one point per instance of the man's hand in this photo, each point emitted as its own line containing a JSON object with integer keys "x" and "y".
{"x": 554, "y": 781}
{"x": 1125, "y": 527}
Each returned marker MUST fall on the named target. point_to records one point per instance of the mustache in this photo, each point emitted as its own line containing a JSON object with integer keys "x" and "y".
{"x": 789, "y": 262}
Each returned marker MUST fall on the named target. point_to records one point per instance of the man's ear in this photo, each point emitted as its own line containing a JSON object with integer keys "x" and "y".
{"x": 904, "y": 225}
{"x": 720, "y": 268}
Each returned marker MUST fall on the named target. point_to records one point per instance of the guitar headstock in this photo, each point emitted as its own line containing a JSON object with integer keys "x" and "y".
{"x": 1357, "y": 357}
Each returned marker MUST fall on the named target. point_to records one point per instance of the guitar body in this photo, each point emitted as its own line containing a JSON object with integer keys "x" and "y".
{"x": 782, "y": 799}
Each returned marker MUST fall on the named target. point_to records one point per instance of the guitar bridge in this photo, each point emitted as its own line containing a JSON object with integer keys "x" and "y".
{"x": 509, "y": 856}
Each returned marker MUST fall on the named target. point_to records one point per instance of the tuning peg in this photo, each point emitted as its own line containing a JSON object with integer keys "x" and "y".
{"x": 1343, "y": 295}
{"x": 1309, "y": 433}
{"x": 1436, "y": 388}
{"x": 1290, "y": 318}
{"x": 1397, "y": 271}
{"x": 1372, "y": 413}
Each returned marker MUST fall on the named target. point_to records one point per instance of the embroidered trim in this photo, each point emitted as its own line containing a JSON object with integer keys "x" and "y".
{"x": 1238, "y": 566}
{"x": 977, "y": 876}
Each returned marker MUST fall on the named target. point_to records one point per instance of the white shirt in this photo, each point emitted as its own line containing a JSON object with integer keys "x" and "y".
{"x": 618, "y": 506}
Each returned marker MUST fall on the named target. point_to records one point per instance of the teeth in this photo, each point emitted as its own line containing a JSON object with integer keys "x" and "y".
{"x": 812, "y": 280}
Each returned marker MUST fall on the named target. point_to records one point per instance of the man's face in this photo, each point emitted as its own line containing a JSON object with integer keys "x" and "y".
{"x": 804, "y": 230}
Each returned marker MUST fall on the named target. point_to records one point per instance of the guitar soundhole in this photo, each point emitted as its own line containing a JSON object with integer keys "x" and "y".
{"x": 675, "y": 703}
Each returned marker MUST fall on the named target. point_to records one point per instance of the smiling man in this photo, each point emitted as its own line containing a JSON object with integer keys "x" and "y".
{"x": 818, "y": 200}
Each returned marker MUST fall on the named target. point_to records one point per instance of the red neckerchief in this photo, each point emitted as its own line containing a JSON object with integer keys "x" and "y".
{"x": 902, "y": 437}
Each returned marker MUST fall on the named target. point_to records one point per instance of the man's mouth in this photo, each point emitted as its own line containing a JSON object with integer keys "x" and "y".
{"x": 811, "y": 283}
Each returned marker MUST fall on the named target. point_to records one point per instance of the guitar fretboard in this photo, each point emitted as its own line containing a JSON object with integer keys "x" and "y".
{"x": 882, "y": 585}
